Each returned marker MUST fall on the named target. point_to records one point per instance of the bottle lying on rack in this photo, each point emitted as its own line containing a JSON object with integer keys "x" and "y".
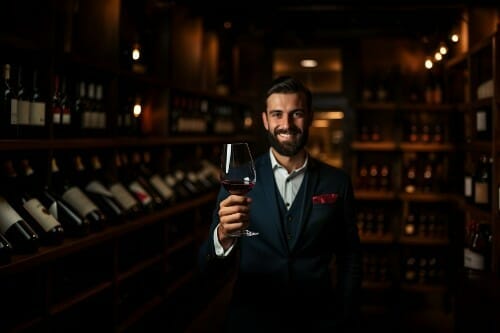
{"x": 96, "y": 191}
{"x": 76, "y": 198}
{"x": 154, "y": 178}
{"x": 133, "y": 184}
{"x": 23, "y": 198}
{"x": 144, "y": 179}
{"x": 73, "y": 224}
{"x": 18, "y": 232}
{"x": 131, "y": 207}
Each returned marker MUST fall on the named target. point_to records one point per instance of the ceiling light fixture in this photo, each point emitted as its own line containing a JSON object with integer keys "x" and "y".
{"x": 308, "y": 63}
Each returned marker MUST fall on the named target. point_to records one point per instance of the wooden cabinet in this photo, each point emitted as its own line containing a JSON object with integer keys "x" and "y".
{"x": 403, "y": 170}
{"x": 474, "y": 88}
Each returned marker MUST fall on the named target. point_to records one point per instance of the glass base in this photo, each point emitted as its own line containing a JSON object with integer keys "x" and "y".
{"x": 244, "y": 233}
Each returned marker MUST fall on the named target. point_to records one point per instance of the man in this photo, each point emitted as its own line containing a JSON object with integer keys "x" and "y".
{"x": 303, "y": 211}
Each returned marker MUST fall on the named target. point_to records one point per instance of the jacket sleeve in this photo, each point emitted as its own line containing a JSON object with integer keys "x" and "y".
{"x": 208, "y": 261}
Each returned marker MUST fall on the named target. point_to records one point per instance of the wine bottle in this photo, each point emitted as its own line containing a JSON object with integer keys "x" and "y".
{"x": 130, "y": 206}
{"x": 99, "y": 110}
{"x": 56, "y": 108}
{"x": 22, "y": 193}
{"x": 477, "y": 252}
{"x": 19, "y": 233}
{"x": 5, "y": 250}
{"x": 76, "y": 198}
{"x": 96, "y": 191}
{"x": 72, "y": 223}
{"x": 66, "y": 109}
{"x": 78, "y": 115}
{"x": 154, "y": 178}
{"x": 410, "y": 181}
{"x": 89, "y": 116}
{"x": 23, "y": 105}
{"x": 139, "y": 176}
{"x": 60, "y": 107}
{"x": 8, "y": 106}
{"x": 133, "y": 185}
{"x": 483, "y": 183}
{"x": 37, "y": 110}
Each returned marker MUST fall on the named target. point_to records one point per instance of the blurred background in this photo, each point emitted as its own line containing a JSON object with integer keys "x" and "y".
{"x": 138, "y": 96}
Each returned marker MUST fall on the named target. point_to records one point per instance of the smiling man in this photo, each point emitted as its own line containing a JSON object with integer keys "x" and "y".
{"x": 304, "y": 213}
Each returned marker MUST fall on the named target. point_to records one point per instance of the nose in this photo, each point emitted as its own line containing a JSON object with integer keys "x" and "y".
{"x": 286, "y": 121}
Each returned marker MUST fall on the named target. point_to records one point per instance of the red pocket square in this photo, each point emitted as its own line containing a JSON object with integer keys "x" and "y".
{"x": 325, "y": 198}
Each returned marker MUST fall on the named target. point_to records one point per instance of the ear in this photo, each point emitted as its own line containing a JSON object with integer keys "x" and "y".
{"x": 264, "y": 120}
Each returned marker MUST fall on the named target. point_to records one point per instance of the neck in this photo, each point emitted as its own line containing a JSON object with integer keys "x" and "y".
{"x": 290, "y": 163}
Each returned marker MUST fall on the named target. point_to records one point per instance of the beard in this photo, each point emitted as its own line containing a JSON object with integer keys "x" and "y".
{"x": 288, "y": 148}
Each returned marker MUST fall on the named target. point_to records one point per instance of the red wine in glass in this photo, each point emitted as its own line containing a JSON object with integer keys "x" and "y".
{"x": 238, "y": 174}
{"x": 237, "y": 187}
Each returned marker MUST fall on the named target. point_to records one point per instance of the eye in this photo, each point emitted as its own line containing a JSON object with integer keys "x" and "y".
{"x": 276, "y": 114}
{"x": 298, "y": 114}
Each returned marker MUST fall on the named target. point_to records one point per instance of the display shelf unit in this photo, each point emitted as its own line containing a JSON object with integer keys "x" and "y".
{"x": 393, "y": 252}
{"x": 474, "y": 88}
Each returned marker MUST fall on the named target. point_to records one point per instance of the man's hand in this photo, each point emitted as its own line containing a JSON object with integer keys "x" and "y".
{"x": 233, "y": 216}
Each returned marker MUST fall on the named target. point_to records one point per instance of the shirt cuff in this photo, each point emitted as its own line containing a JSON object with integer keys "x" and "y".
{"x": 219, "y": 250}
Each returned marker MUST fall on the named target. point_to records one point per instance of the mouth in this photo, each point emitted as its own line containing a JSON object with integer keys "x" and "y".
{"x": 286, "y": 136}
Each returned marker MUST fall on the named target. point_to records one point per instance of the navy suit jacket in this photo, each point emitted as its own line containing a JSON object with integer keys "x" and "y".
{"x": 281, "y": 285}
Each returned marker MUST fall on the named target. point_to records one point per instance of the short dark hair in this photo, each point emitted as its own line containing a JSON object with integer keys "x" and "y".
{"x": 288, "y": 84}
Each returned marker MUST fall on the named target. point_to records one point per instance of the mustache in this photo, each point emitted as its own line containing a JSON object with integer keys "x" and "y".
{"x": 290, "y": 131}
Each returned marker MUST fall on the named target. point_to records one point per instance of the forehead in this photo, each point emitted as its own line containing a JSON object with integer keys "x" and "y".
{"x": 286, "y": 101}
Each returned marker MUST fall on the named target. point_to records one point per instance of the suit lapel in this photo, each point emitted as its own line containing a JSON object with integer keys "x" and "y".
{"x": 310, "y": 180}
{"x": 272, "y": 219}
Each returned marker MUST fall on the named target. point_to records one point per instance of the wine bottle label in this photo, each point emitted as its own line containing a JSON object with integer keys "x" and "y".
{"x": 86, "y": 119}
{"x": 13, "y": 111}
{"x": 124, "y": 198}
{"x": 66, "y": 117}
{"x": 140, "y": 193}
{"x": 468, "y": 186}
{"x": 481, "y": 121}
{"x": 35, "y": 208}
{"x": 98, "y": 188}
{"x": 37, "y": 114}
{"x": 79, "y": 201}
{"x": 8, "y": 216}
{"x": 56, "y": 116}
{"x": 23, "y": 112}
{"x": 481, "y": 193}
{"x": 165, "y": 191}
{"x": 473, "y": 260}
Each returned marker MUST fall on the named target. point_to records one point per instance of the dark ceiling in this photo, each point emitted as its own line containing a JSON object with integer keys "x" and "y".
{"x": 318, "y": 21}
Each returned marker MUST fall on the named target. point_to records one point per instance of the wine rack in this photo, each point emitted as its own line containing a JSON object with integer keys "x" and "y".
{"x": 139, "y": 275}
{"x": 408, "y": 249}
{"x": 473, "y": 77}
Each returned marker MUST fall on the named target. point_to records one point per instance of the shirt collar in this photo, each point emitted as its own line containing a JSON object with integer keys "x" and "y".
{"x": 275, "y": 164}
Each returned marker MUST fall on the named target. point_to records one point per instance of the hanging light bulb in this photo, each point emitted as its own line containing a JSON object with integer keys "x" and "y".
{"x": 438, "y": 56}
{"x": 454, "y": 38}
{"x": 443, "y": 49}
{"x": 428, "y": 63}
{"x": 137, "y": 108}
{"x": 136, "y": 52}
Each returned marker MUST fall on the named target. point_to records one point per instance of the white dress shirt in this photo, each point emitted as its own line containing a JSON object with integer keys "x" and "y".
{"x": 288, "y": 185}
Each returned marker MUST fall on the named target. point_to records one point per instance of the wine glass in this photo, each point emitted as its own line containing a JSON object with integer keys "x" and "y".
{"x": 238, "y": 174}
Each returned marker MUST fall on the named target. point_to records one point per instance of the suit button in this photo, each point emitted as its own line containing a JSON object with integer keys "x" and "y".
{"x": 290, "y": 219}
{"x": 289, "y": 235}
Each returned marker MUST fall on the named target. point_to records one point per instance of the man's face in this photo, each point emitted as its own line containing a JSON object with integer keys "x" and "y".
{"x": 287, "y": 122}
